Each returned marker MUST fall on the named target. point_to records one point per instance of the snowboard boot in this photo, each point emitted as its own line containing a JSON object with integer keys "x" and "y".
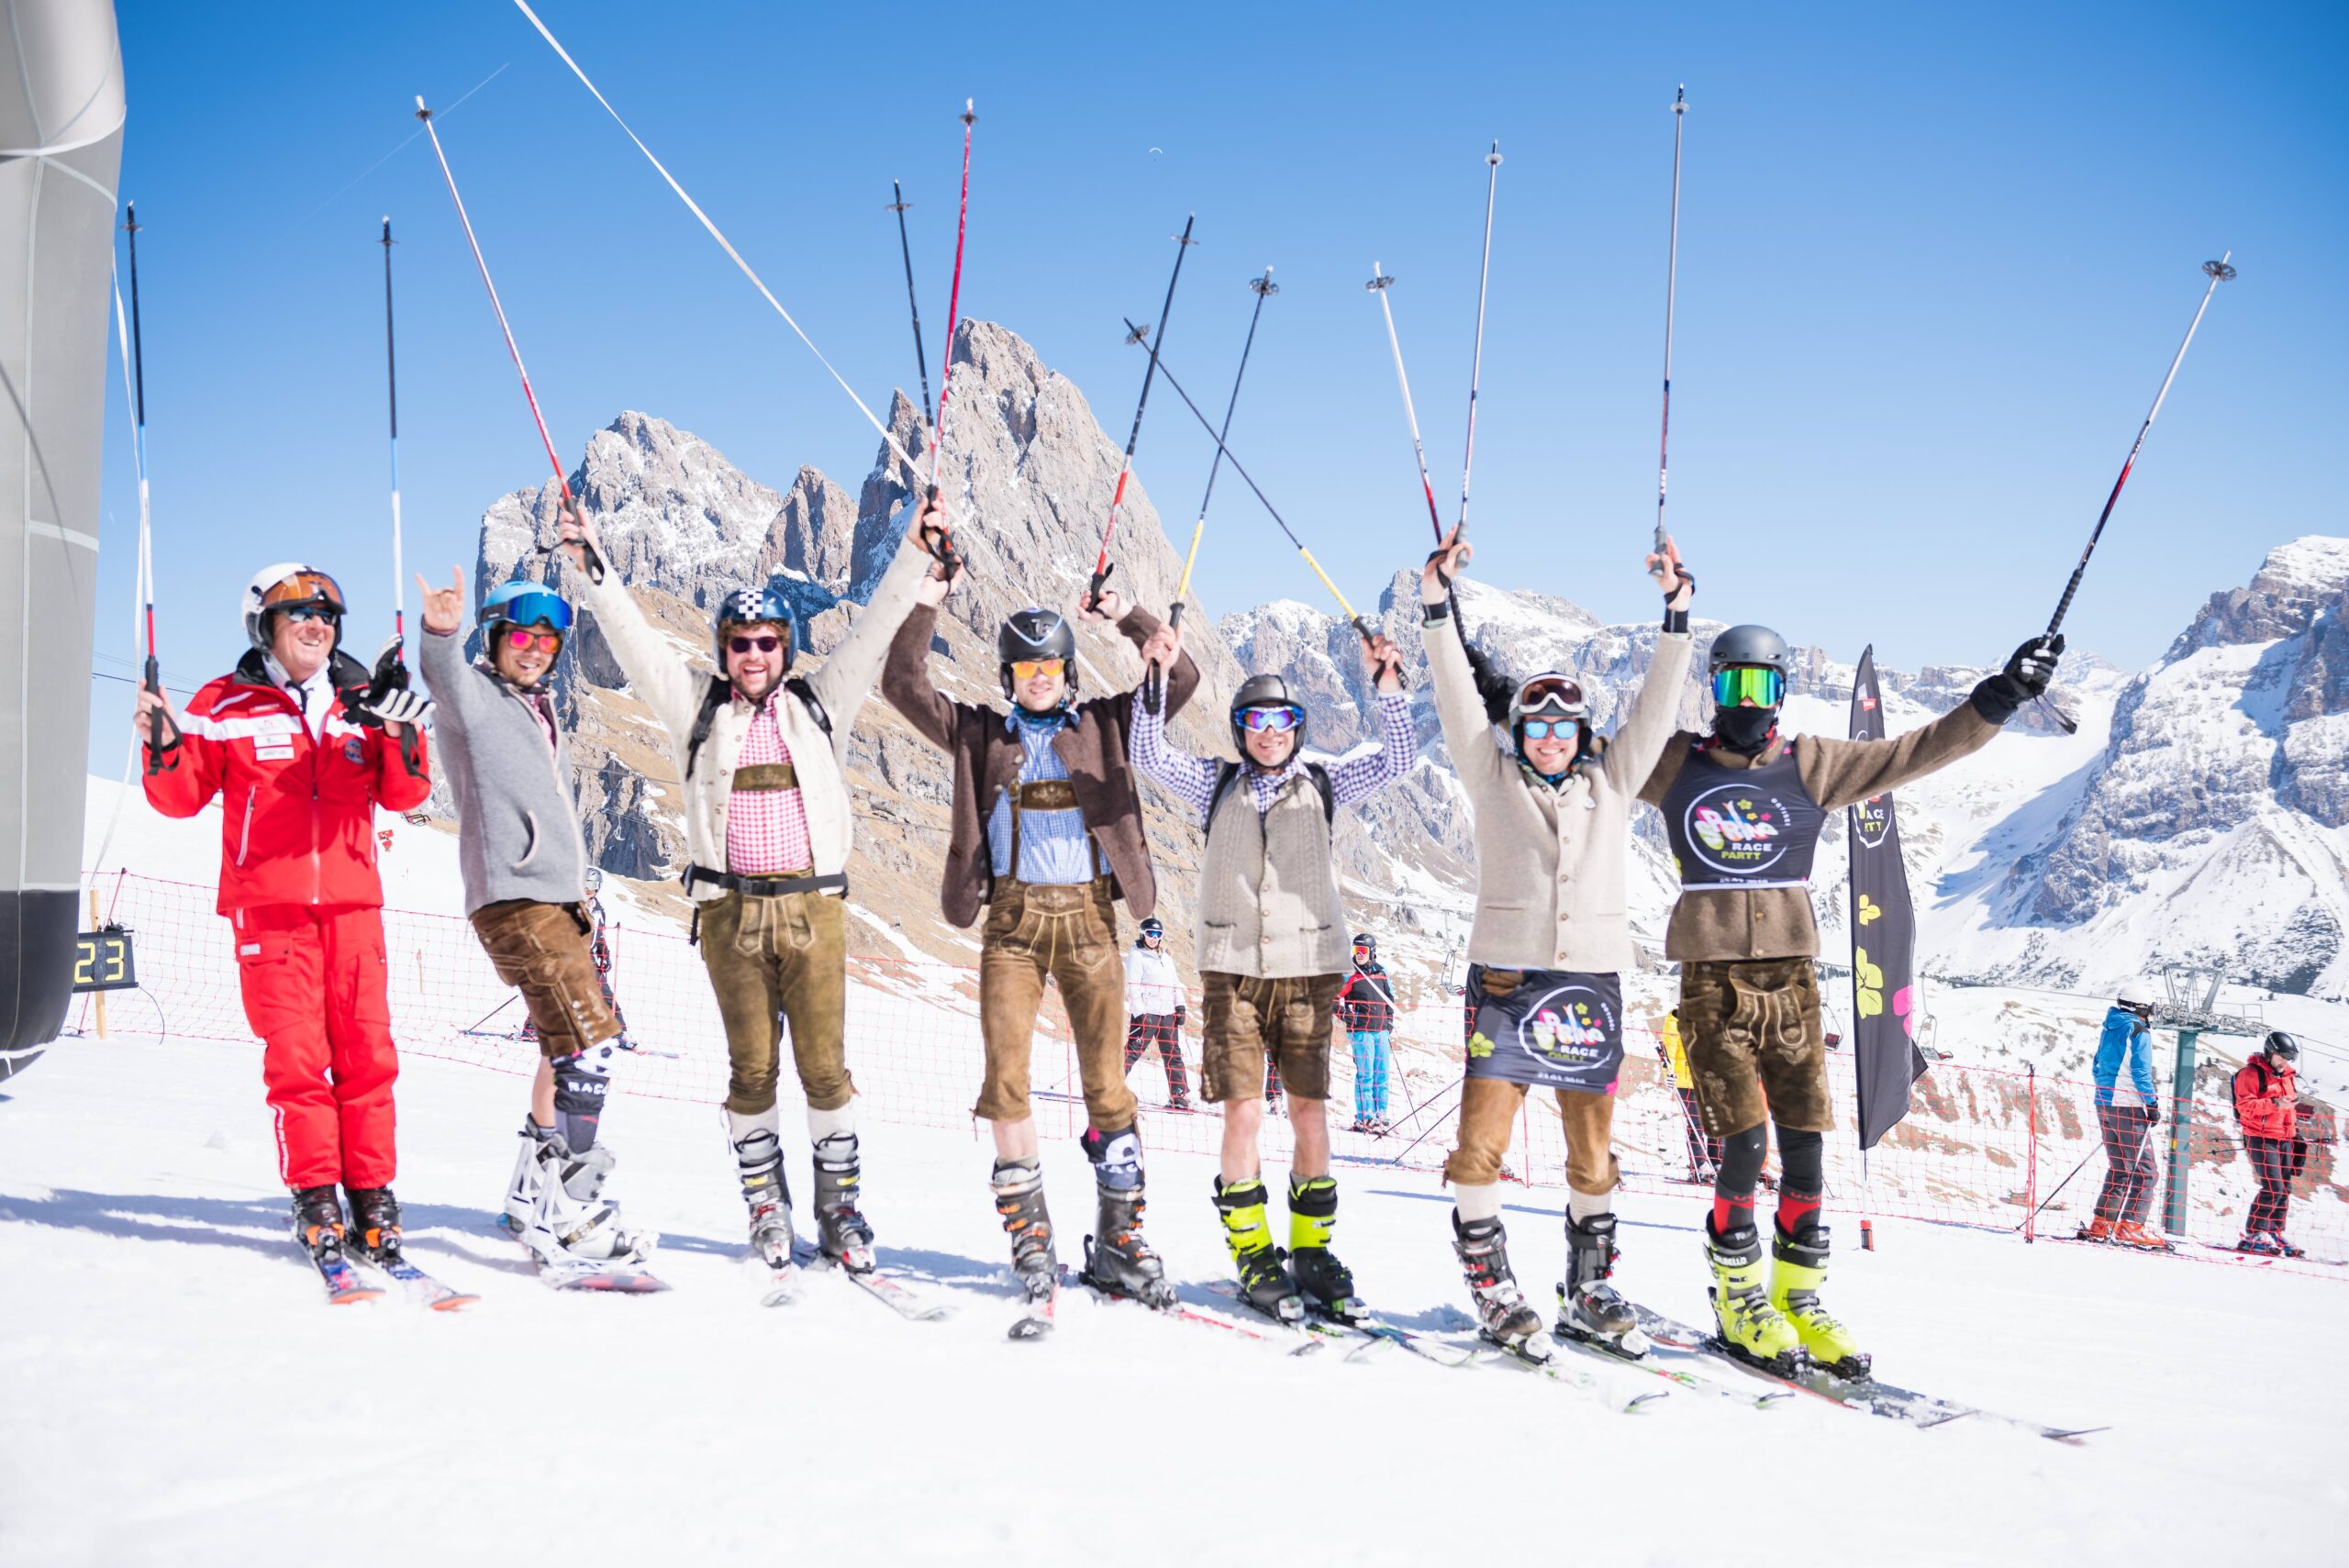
{"x": 375, "y": 1224}
{"x": 1020, "y": 1197}
{"x": 1589, "y": 1308}
{"x": 1502, "y": 1312}
{"x": 575, "y": 1223}
{"x": 1117, "y": 1259}
{"x": 840, "y": 1230}
{"x": 1797, "y": 1268}
{"x": 318, "y": 1220}
{"x": 1264, "y": 1281}
{"x": 1748, "y": 1323}
{"x": 2097, "y": 1229}
{"x": 758, "y": 1160}
{"x": 522, "y": 1187}
{"x": 1327, "y": 1283}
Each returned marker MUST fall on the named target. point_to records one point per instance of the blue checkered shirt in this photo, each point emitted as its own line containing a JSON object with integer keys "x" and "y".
{"x": 1054, "y": 847}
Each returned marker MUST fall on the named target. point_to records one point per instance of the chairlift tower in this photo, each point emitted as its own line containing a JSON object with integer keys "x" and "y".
{"x": 2193, "y": 1009}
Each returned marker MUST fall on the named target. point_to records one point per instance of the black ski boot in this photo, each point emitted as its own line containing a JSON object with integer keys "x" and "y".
{"x": 1502, "y": 1312}
{"x": 840, "y": 1230}
{"x": 1019, "y": 1198}
{"x": 1117, "y": 1259}
{"x": 1589, "y": 1308}
{"x": 1328, "y": 1284}
{"x": 375, "y": 1224}
{"x": 1264, "y": 1281}
{"x": 318, "y": 1220}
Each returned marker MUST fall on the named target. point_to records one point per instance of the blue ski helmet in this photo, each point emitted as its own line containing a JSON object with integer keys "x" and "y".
{"x": 525, "y": 603}
{"x": 749, "y": 606}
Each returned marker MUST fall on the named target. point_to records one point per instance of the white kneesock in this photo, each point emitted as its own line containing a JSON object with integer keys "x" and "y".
{"x": 739, "y": 1125}
{"x": 825, "y": 1124}
{"x": 1585, "y": 1205}
{"x": 1482, "y": 1201}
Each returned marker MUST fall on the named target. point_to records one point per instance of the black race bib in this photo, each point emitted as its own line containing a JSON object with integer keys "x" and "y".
{"x": 1556, "y": 1029}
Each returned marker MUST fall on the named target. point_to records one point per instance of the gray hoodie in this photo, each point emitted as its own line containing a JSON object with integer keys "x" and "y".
{"x": 517, "y": 823}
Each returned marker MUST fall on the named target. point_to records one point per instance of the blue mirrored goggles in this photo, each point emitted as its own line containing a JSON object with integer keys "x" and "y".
{"x": 1272, "y": 718}
{"x": 1543, "y": 729}
{"x": 532, "y": 606}
{"x": 1738, "y": 684}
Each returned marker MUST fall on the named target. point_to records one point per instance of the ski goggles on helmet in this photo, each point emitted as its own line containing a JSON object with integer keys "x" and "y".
{"x": 312, "y": 590}
{"x": 1276, "y": 719}
{"x": 1551, "y": 694}
{"x": 531, "y": 606}
{"x": 1030, "y": 669}
{"x": 1738, "y": 684}
{"x": 1544, "y": 728}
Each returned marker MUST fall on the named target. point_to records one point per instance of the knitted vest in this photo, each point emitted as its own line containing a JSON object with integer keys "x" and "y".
{"x": 1268, "y": 890}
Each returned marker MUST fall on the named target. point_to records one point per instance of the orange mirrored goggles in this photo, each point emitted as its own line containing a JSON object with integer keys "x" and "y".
{"x": 304, "y": 588}
{"x": 1029, "y": 669}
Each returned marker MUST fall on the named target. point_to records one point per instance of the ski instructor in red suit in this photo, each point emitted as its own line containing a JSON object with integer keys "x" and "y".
{"x": 301, "y": 744}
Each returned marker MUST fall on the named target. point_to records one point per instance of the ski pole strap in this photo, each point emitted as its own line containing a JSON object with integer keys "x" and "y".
{"x": 835, "y": 885}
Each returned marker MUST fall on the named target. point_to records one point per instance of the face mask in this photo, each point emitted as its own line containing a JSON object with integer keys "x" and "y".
{"x": 1744, "y": 728}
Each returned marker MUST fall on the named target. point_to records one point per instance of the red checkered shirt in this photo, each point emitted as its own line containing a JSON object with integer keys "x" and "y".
{"x": 766, "y": 829}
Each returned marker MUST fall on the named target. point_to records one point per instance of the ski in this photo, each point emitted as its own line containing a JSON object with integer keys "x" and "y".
{"x": 616, "y": 1279}
{"x": 342, "y": 1282}
{"x": 1868, "y": 1395}
{"x": 1366, "y": 1332}
{"x": 1545, "y": 1361}
{"x": 909, "y": 1302}
{"x": 1695, "y": 1382}
{"x": 781, "y": 1282}
{"x": 417, "y": 1285}
{"x": 1035, "y": 1319}
{"x": 1182, "y": 1314}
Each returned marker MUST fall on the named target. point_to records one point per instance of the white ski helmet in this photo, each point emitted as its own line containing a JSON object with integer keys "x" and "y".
{"x": 284, "y": 586}
{"x": 2133, "y": 993}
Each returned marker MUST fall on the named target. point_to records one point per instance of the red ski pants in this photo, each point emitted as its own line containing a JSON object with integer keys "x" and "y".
{"x": 314, "y": 988}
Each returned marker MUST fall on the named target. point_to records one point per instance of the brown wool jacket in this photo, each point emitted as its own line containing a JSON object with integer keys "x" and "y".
{"x": 1776, "y": 922}
{"x": 988, "y": 759}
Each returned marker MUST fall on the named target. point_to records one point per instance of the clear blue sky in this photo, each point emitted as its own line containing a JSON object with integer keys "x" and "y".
{"x": 1934, "y": 262}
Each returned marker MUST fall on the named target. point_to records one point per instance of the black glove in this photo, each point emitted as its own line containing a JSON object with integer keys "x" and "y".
{"x": 2027, "y": 674}
{"x": 1677, "y": 620}
{"x": 1181, "y": 1015}
{"x": 2153, "y": 1116}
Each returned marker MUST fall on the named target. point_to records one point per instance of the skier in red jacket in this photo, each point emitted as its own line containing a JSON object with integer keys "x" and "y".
{"x": 2266, "y": 1106}
{"x": 301, "y": 744}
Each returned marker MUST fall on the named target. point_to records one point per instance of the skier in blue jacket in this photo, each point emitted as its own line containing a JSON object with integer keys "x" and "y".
{"x": 2126, "y": 1113}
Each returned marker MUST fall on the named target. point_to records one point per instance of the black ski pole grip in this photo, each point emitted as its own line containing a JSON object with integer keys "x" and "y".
{"x": 946, "y": 555}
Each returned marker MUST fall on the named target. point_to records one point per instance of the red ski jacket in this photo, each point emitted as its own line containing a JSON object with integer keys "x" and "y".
{"x": 297, "y": 822}
{"x": 2265, "y": 1100}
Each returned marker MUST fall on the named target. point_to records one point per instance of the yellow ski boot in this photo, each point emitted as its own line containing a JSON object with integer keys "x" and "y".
{"x": 1752, "y": 1327}
{"x": 1264, "y": 1281}
{"x": 1797, "y": 1268}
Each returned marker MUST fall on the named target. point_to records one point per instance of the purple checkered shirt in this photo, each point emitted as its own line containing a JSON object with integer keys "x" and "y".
{"x": 1192, "y": 779}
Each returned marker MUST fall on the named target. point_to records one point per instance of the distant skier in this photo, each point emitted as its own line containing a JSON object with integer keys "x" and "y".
{"x": 1704, "y": 1150}
{"x": 301, "y": 744}
{"x": 599, "y": 949}
{"x": 519, "y": 848}
{"x": 2126, "y": 1114}
{"x": 1156, "y": 1010}
{"x": 768, "y": 831}
{"x": 1743, "y": 808}
{"x": 2267, "y": 1110}
{"x": 1046, "y": 835}
{"x": 1270, "y": 957}
{"x": 1365, "y": 1007}
{"x": 1551, "y": 939}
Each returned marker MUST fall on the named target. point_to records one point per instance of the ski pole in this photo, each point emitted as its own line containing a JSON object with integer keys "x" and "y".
{"x": 1379, "y": 284}
{"x": 152, "y": 675}
{"x": 1477, "y": 360}
{"x": 1263, "y": 288}
{"x": 2219, "y": 272}
{"x": 1670, "y": 287}
{"x": 946, "y": 557}
{"x": 922, "y": 358}
{"x": 888, "y": 438}
{"x": 1359, "y": 624}
{"x": 1101, "y": 567}
{"x": 2066, "y": 1180}
{"x": 391, "y": 384}
{"x": 594, "y": 562}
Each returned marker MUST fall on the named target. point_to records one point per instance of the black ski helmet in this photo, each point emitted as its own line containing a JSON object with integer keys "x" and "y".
{"x": 749, "y": 606}
{"x": 1263, "y": 690}
{"x": 1153, "y": 927}
{"x": 2281, "y": 1046}
{"x": 1751, "y": 645}
{"x": 1365, "y": 940}
{"x": 1035, "y": 633}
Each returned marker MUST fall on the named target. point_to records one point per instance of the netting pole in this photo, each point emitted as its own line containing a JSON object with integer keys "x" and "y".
{"x": 2031, "y": 1164}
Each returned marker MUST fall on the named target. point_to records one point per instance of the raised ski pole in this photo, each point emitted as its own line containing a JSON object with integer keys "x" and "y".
{"x": 1670, "y": 287}
{"x": 1359, "y": 624}
{"x": 2219, "y": 272}
{"x": 922, "y": 358}
{"x": 1477, "y": 360}
{"x": 1263, "y": 288}
{"x": 391, "y": 384}
{"x": 948, "y": 557}
{"x": 152, "y": 677}
{"x": 1379, "y": 284}
{"x": 595, "y": 563}
{"x": 1101, "y": 567}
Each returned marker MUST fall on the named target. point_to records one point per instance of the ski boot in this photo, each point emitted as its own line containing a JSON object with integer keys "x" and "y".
{"x": 758, "y": 1160}
{"x": 2097, "y": 1229}
{"x": 1019, "y": 1198}
{"x": 1797, "y": 1268}
{"x": 575, "y": 1223}
{"x": 2259, "y": 1243}
{"x": 318, "y": 1220}
{"x": 2131, "y": 1233}
{"x": 1179, "y": 1102}
{"x": 2286, "y": 1247}
{"x": 1589, "y": 1308}
{"x": 1264, "y": 1281}
{"x": 1117, "y": 1259}
{"x": 1503, "y": 1314}
{"x": 375, "y": 1224}
{"x": 1328, "y": 1284}
{"x": 522, "y": 1187}
{"x": 1749, "y": 1325}
{"x": 840, "y": 1230}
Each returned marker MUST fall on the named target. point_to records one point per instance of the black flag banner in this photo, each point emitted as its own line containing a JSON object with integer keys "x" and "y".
{"x": 1884, "y": 941}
